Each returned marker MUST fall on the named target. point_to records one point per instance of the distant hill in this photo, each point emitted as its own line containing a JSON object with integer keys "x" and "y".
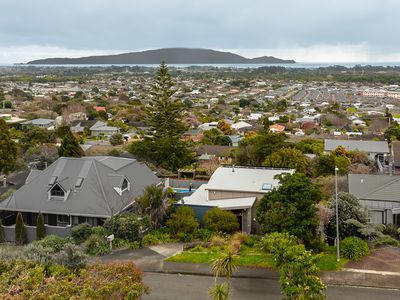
{"x": 169, "y": 55}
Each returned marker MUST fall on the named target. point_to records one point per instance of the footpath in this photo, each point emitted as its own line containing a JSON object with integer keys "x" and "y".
{"x": 152, "y": 259}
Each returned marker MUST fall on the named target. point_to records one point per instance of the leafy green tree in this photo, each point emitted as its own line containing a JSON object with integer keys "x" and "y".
{"x": 349, "y": 208}
{"x": 311, "y": 146}
{"x": 20, "y": 230}
{"x": 8, "y": 149}
{"x": 292, "y": 208}
{"x": 299, "y": 275}
{"x": 224, "y": 127}
{"x": 40, "y": 229}
{"x": 253, "y": 150}
{"x": 116, "y": 139}
{"x": 154, "y": 202}
{"x": 287, "y": 158}
{"x": 183, "y": 221}
{"x": 324, "y": 165}
{"x": 219, "y": 220}
{"x": 163, "y": 143}
{"x": 70, "y": 146}
{"x": 34, "y": 136}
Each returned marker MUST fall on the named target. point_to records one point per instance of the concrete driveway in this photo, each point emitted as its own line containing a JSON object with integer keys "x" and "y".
{"x": 148, "y": 259}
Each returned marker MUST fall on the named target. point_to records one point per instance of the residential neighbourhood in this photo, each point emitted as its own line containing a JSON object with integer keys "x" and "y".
{"x": 222, "y": 166}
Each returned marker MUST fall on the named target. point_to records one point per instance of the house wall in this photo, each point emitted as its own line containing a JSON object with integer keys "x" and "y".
{"x": 106, "y": 133}
{"x": 380, "y": 211}
{"x": 9, "y": 232}
{"x": 218, "y": 195}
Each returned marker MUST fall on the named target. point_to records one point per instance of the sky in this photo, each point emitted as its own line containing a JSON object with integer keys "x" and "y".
{"x": 304, "y": 30}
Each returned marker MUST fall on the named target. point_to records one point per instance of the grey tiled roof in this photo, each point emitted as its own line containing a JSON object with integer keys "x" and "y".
{"x": 95, "y": 197}
{"x": 350, "y": 145}
{"x": 375, "y": 187}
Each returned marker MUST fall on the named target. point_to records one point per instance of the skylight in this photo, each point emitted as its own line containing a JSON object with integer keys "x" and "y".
{"x": 52, "y": 180}
{"x": 266, "y": 186}
{"x": 79, "y": 182}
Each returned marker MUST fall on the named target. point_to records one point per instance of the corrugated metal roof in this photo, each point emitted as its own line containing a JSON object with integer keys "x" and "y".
{"x": 244, "y": 179}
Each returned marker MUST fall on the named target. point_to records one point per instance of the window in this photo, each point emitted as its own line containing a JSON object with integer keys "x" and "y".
{"x": 57, "y": 191}
{"x": 79, "y": 182}
{"x": 82, "y": 220}
{"x": 266, "y": 186}
{"x": 125, "y": 185}
{"x": 62, "y": 219}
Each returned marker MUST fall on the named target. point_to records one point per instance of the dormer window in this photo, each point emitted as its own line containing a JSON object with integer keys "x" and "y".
{"x": 125, "y": 185}
{"x": 57, "y": 191}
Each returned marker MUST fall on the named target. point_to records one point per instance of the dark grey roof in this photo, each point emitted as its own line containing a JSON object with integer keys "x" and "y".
{"x": 350, "y": 145}
{"x": 375, "y": 187}
{"x": 96, "y": 196}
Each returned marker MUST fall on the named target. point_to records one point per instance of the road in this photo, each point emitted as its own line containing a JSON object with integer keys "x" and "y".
{"x": 194, "y": 287}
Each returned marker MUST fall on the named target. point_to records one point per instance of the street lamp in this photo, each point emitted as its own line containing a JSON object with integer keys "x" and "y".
{"x": 337, "y": 217}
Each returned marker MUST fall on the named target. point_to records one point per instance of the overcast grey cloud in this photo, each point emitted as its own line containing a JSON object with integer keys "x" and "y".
{"x": 306, "y": 30}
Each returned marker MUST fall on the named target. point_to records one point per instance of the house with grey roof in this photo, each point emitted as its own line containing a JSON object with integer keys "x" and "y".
{"x": 376, "y": 150}
{"x": 236, "y": 189}
{"x": 100, "y": 128}
{"x": 380, "y": 194}
{"x": 78, "y": 190}
{"x": 42, "y": 123}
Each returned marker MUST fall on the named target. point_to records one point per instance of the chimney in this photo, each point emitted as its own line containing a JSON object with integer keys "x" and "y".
{"x": 233, "y": 168}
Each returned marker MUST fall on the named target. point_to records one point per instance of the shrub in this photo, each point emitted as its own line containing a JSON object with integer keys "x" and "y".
{"x": 354, "y": 248}
{"x": 183, "y": 221}
{"x": 100, "y": 230}
{"x": 203, "y": 234}
{"x": 116, "y": 139}
{"x": 125, "y": 226}
{"x": 71, "y": 256}
{"x": 1, "y": 231}
{"x": 40, "y": 229}
{"x": 97, "y": 245}
{"x": 218, "y": 241}
{"x": 156, "y": 237}
{"x": 243, "y": 238}
{"x": 219, "y": 220}
{"x": 20, "y": 230}
{"x": 53, "y": 242}
{"x": 37, "y": 254}
{"x": 81, "y": 232}
{"x": 385, "y": 240}
{"x": 392, "y": 230}
{"x": 27, "y": 280}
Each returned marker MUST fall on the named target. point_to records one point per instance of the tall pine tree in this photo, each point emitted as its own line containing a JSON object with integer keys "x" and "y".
{"x": 163, "y": 143}
{"x": 70, "y": 146}
{"x": 8, "y": 149}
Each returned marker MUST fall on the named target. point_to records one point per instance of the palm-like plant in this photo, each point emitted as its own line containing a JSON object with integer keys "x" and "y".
{"x": 220, "y": 291}
{"x": 154, "y": 201}
{"x": 223, "y": 266}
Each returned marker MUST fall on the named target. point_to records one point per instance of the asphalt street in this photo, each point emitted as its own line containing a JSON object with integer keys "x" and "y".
{"x": 194, "y": 287}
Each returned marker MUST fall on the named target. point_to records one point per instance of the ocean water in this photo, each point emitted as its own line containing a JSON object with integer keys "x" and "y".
{"x": 237, "y": 66}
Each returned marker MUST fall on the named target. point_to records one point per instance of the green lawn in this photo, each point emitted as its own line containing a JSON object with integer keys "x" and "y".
{"x": 252, "y": 257}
